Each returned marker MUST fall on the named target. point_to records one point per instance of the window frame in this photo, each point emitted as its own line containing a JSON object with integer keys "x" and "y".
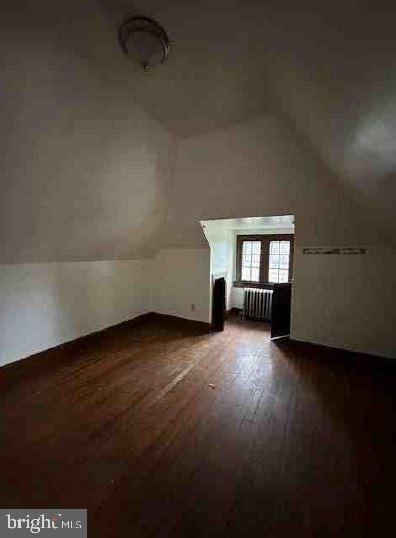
{"x": 265, "y": 240}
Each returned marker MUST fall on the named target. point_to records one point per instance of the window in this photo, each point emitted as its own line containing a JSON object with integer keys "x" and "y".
{"x": 279, "y": 261}
{"x": 251, "y": 251}
{"x": 264, "y": 260}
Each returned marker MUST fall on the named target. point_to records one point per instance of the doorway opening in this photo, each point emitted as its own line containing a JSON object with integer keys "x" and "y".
{"x": 251, "y": 271}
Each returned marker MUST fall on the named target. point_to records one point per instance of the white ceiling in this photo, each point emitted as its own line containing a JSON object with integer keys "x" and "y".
{"x": 329, "y": 68}
{"x": 250, "y": 223}
{"x": 214, "y": 75}
{"x": 216, "y": 230}
{"x": 231, "y": 58}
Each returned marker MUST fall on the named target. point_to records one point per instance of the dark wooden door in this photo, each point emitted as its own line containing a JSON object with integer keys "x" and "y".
{"x": 281, "y": 306}
{"x": 218, "y": 304}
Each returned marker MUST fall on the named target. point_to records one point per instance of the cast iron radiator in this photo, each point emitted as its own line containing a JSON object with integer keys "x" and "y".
{"x": 257, "y": 304}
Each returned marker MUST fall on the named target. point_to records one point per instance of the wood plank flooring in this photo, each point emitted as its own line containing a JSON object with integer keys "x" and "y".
{"x": 162, "y": 431}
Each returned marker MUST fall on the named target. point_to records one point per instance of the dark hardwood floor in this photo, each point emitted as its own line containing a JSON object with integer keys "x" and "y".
{"x": 162, "y": 431}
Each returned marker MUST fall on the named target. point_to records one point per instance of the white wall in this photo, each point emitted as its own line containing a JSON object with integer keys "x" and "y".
{"x": 221, "y": 256}
{"x": 221, "y": 264}
{"x": 259, "y": 168}
{"x": 180, "y": 278}
{"x": 346, "y": 301}
{"x": 43, "y": 305}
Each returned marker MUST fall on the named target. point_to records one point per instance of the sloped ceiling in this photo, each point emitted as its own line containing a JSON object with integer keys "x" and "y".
{"x": 221, "y": 229}
{"x": 83, "y": 167}
{"x": 328, "y": 67}
{"x": 88, "y": 138}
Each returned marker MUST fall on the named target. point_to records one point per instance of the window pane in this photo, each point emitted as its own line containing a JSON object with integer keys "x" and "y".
{"x": 283, "y": 275}
{"x": 256, "y": 258}
{"x": 245, "y": 273}
{"x": 255, "y": 275}
{"x": 274, "y": 261}
{"x": 284, "y": 261}
{"x": 273, "y": 275}
{"x": 274, "y": 247}
{"x": 256, "y": 247}
{"x": 247, "y": 247}
{"x": 284, "y": 247}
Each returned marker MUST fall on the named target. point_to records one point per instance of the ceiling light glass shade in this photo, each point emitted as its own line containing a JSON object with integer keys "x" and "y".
{"x": 143, "y": 40}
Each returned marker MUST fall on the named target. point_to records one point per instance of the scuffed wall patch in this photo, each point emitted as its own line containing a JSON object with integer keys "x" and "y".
{"x": 334, "y": 250}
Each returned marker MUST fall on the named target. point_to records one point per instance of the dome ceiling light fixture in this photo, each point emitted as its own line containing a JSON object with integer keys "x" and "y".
{"x": 144, "y": 40}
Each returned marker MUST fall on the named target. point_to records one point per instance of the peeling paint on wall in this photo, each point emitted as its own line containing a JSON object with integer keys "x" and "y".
{"x": 334, "y": 250}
